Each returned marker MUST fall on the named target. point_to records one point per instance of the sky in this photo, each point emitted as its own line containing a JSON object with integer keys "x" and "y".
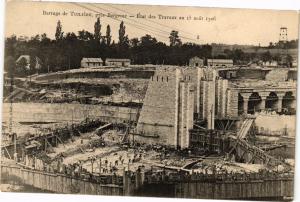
{"x": 194, "y": 24}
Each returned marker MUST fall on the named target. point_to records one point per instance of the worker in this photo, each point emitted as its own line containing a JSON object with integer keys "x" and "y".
{"x": 16, "y": 157}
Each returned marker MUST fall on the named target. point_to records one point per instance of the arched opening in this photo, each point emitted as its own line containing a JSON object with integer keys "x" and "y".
{"x": 253, "y": 103}
{"x": 240, "y": 104}
{"x": 271, "y": 102}
{"x": 289, "y": 103}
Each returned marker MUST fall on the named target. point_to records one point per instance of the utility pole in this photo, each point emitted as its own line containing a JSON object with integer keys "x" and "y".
{"x": 29, "y": 74}
{"x": 211, "y": 114}
{"x": 92, "y": 162}
{"x": 211, "y": 121}
{"x": 69, "y": 62}
{"x": 15, "y": 146}
{"x": 14, "y": 135}
{"x": 100, "y": 166}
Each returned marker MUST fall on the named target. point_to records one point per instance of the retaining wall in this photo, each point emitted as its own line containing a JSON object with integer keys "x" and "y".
{"x": 268, "y": 189}
{"x": 45, "y": 112}
{"x": 58, "y": 183}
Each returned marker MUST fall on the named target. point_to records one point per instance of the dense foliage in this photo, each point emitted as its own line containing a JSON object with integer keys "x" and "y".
{"x": 67, "y": 49}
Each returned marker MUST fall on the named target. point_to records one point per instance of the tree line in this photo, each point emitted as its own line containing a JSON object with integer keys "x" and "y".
{"x": 287, "y": 44}
{"x": 67, "y": 49}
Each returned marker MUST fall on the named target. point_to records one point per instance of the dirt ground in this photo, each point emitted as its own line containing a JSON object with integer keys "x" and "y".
{"x": 114, "y": 158}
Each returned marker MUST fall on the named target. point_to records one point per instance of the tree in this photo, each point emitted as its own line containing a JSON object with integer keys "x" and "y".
{"x": 122, "y": 37}
{"x": 10, "y": 44}
{"x": 266, "y": 56}
{"x": 97, "y": 30}
{"x": 9, "y": 65}
{"x": 289, "y": 60}
{"x": 71, "y": 55}
{"x": 134, "y": 42}
{"x": 68, "y": 49}
{"x": 238, "y": 56}
{"x": 123, "y": 46}
{"x": 45, "y": 39}
{"x": 85, "y": 35}
{"x": 148, "y": 40}
{"x": 33, "y": 64}
{"x": 108, "y": 36}
{"x": 174, "y": 39}
{"x": 58, "y": 33}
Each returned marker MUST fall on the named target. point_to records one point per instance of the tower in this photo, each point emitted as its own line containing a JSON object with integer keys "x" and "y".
{"x": 283, "y": 36}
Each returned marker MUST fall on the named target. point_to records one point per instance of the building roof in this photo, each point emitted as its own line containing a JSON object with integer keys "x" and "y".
{"x": 27, "y": 58}
{"x": 196, "y": 58}
{"x": 270, "y": 62}
{"x": 117, "y": 60}
{"x": 220, "y": 60}
{"x": 91, "y": 60}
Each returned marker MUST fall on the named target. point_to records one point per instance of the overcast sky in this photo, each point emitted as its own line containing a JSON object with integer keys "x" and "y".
{"x": 230, "y": 26}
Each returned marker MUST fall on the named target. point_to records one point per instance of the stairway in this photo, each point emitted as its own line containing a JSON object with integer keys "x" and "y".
{"x": 259, "y": 153}
{"x": 126, "y": 135}
{"x": 246, "y": 125}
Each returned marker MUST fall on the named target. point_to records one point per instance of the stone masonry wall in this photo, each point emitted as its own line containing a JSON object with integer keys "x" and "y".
{"x": 168, "y": 109}
{"x": 194, "y": 76}
{"x": 232, "y": 103}
{"x": 186, "y": 110}
{"x": 221, "y": 95}
{"x": 159, "y": 112}
{"x": 209, "y": 102}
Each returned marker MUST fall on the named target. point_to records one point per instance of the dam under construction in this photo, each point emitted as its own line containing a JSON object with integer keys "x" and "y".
{"x": 170, "y": 131}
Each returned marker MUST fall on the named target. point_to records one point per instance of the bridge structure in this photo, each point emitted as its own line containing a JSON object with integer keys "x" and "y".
{"x": 279, "y": 99}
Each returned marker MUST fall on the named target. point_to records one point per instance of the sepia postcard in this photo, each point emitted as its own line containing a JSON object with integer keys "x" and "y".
{"x": 151, "y": 101}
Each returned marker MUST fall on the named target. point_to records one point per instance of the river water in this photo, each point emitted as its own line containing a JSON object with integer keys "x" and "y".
{"x": 276, "y": 124}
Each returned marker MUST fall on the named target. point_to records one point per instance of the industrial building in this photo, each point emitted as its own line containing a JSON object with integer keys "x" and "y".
{"x": 27, "y": 60}
{"x": 220, "y": 63}
{"x": 196, "y": 62}
{"x": 120, "y": 62}
{"x": 91, "y": 62}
